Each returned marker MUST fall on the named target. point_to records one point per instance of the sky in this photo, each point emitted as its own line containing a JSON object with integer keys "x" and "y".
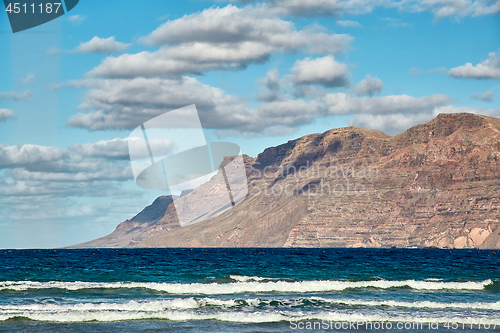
{"x": 260, "y": 73}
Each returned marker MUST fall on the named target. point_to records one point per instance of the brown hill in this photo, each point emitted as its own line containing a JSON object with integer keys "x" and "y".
{"x": 436, "y": 184}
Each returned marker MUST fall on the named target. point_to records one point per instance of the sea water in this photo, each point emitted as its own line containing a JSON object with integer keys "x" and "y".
{"x": 249, "y": 290}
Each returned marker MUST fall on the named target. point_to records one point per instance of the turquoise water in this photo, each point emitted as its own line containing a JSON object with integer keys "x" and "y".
{"x": 249, "y": 290}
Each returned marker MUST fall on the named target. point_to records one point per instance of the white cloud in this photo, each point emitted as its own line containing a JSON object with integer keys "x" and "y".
{"x": 452, "y": 8}
{"x": 267, "y": 95}
{"x": 108, "y": 172}
{"x": 391, "y": 123}
{"x": 290, "y": 112}
{"x": 395, "y": 123}
{"x": 57, "y": 187}
{"x": 487, "y": 96}
{"x": 347, "y": 23}
{"x": 392, "y": 22}
{"x": 235, "y": 25}
{"x": 340, "y": 103}
{"x": 324, "y": 71}
{"x": 76, "y": 19}
{"x": 82, "y": 170}
{"x": 6, "y": 114}
{"x": 125, "y": 104}
{"x": 272, "y": 86}
{"x": 309, "y": 91}
{"x": 333, "y": 8}
{"x": 115, "y": 148}
{"x": 95, "y": 45}
{"x": 119, "y": 148}
{"x": 14, "y": 96}
{"x": 23, "y": 155}
{"x": 440, "y": 8}
{"x": 278, "y": 117}
{"x": 194, "y": 58}
{"x": 272, "y": 80}
{"x": 102, "y": 45}
{"x": 460, "y": 109}
{"x": 488, "y": 69}
{"x": 270, "y": 131}
{"x": 78, "y": 157}
{"x": 369, "y": 85}
{"x": 150, "y": 64}
{"x": 228, "y": 38}
{"x": 30, "y": 78}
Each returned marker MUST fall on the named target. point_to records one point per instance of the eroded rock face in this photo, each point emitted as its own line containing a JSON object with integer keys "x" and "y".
{"x": 434, "y": 185}
{"x": 438, "y": 186}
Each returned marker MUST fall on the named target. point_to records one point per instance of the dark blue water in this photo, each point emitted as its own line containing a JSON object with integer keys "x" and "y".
{"x": 249, "y": 290}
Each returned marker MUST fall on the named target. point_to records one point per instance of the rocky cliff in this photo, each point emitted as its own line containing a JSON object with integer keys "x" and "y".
{"x": 434, "y": 185}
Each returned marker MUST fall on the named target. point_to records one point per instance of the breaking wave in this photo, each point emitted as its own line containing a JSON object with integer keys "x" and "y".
{"x": 247, "y": 285}
{"x": 185, "y": 310}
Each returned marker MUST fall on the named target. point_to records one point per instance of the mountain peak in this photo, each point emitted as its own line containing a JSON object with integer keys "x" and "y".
{"x": 444, "y": 125}
{"x": 154, "y": 211}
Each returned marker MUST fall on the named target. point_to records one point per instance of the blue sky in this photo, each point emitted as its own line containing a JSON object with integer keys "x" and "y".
{"x": 260, "y": 74}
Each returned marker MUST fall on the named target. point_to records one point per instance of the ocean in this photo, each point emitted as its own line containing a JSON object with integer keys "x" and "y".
{"x": 249, "y": 290}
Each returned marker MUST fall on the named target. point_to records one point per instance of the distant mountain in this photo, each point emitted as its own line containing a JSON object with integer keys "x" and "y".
{"x": 129, "y": 232}
{"x": 434, "y": 185}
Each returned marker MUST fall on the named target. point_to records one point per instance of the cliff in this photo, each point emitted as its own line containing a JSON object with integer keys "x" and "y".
{"x": 434, "y": 185}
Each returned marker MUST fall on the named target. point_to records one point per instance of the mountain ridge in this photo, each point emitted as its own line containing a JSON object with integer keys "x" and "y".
{"x": 433, "y": 185}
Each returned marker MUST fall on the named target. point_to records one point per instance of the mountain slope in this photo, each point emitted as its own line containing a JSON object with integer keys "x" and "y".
{"x": 129, "y": 231}
{"x": 436, "y": 184}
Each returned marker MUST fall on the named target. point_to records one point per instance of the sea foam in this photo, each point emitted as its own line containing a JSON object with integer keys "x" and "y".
{"x": 247, "y": 286}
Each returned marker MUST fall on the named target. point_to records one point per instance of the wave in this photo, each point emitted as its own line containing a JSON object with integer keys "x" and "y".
{"x": 247, "y": 303}
{"x": 415, "y": 305}
{"x": 243, "y": 278}
{"x": 139, "y": 311}
{"x": 247, "y": 286}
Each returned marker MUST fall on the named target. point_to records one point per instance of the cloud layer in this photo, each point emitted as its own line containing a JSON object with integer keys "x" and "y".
{"x": 488, "y": 69}
{"x": 228, "y": 38}
{"x": 102, "y": 45}
{"x": 487, "y": 96}
{"x": 125, "y": 104}
{"x": 395, "y": 123}
{"x": 31, "y": 170}
{"x": 129, "y": 89}
{"x": 324, "y": 71}
{"x": 76, "y": 19}
{"x": 6, "y": 114}
{"x": 340, "y": 103}
{"x": 335, "y": 8}
{"x": 5, "y": 95}
{"x": 369, "y": 86}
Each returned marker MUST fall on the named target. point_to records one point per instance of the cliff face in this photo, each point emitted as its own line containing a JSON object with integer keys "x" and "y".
{"x": 436, "y": 184}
